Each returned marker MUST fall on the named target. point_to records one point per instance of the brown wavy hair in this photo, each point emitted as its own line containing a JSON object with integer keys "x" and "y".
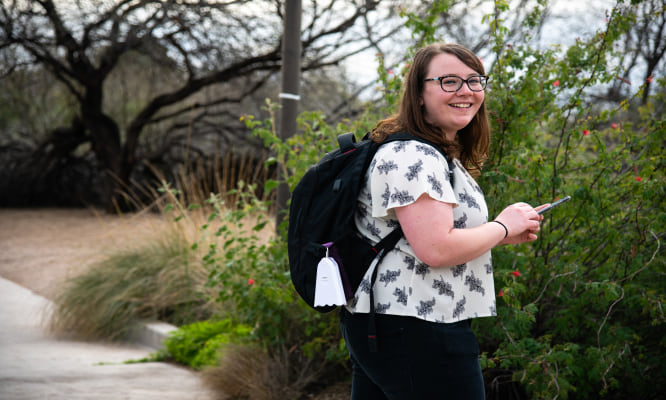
{"x": 471, "y": 144}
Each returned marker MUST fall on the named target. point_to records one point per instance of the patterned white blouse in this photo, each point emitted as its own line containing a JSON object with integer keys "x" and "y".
{"x": 399, "y": 174}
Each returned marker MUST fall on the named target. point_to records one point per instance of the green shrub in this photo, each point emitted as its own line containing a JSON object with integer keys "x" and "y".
{"x": 200, "y": 344}
{"x": 581, "y": 318}
{"x": 250, "y": 276}
{"x": 249, "y": 272}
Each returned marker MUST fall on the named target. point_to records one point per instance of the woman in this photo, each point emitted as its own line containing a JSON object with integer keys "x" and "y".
{"x": 439, "y": 276}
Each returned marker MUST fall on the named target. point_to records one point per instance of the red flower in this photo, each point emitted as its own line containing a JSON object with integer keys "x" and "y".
{"x": 556, "y": 83}
{"x": 638, "y": 179}
{"x": 501, "y": 293}
{"x": 585, "y": 132}
{"x": 515, "y": 273}
{"x": 614, "y": 126}
{"x": 250, "y": 281}
{"x": 390, "y": 71}
{"x": 649, "y": 79}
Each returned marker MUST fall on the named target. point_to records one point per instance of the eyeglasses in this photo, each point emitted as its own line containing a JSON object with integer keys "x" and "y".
{"x": 453, "y": 83}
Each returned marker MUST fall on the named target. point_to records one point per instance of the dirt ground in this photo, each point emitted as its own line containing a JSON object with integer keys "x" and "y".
{"x": 41, "y": 248}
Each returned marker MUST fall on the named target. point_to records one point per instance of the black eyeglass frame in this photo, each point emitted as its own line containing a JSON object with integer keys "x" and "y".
{"x": 484, "y": 79}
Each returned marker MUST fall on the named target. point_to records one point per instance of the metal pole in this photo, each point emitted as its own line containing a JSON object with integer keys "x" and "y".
{"x": 289, "y": 96}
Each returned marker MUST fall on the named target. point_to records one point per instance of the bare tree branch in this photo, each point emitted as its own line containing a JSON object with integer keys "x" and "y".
{"x": 203, "y": 43}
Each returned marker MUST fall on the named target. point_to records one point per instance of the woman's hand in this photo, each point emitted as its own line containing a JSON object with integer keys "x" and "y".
{"x": 522, "y": 222}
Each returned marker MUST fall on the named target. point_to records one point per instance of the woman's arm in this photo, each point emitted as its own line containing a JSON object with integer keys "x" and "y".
{"x": 428, "y": 227}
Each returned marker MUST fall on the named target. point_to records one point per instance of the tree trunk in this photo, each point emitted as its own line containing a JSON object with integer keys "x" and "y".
{"x": 105, "y": 139}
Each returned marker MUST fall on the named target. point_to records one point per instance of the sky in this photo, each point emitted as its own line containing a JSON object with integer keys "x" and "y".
{"x": 569, "y": 20}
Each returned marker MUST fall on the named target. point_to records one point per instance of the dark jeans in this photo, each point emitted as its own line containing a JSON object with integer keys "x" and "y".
{"x": 416, "y": 359}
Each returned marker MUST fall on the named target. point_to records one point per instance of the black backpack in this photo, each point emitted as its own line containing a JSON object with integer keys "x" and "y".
{"x": 322, "y": 211}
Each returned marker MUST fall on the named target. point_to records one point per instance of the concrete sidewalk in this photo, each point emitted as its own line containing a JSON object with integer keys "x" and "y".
{"x": 34, "y": 366}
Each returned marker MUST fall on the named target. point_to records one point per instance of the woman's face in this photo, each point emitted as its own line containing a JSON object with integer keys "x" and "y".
{"x": 450, "y": 111}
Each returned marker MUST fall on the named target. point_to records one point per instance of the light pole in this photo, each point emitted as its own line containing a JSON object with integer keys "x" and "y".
{"x": 290, "y": 88}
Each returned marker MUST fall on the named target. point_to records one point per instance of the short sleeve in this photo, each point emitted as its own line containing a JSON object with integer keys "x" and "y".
{"x": 402, "y": 171}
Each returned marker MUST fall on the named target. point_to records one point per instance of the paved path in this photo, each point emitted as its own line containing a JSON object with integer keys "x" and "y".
{"x": 34, "y": 366}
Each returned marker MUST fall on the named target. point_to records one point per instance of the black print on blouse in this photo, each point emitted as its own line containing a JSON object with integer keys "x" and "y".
{"x": 386, "y": 166}
{"x": 426, "y": 307}
{"x": 435, "y": 184}
{"x": 392, "y": 223}
{"x": 402, "y": 197}
{"x": 477, "y": 188}
{"x": 386, "y": 196}
{"x": 493, "y": 308}
{"x": 382, "y": 308}
{"x": 400, "y": 295}
{"x": 413, "y": 171}
{"x": 365, "y": 286}
{"x": 460, "y": 307}
{"x": 489, "y": 268}
{"x": 461, "y": 222}
{"x": 410, "y": 262}
{"x": 361, "y": 211}
{"x": 443, "y": 287}
{"x": 458, "y": 270}
{"x": 372, "y": 165}
{"x": 470, "y": 200}
{"x": 389, "y": 276}
{"x": 399, "y": 146}
{"x": 372, "y": 228}
{"x": 427, "y": 150}
{"x": 422, "y": 269}
{"x": 475, "y": 284}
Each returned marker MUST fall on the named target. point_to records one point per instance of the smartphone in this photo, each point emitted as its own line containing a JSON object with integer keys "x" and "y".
{"x": 555, "y": 204}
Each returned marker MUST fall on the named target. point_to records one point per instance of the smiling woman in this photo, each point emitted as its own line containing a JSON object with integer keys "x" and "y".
{"x": 439, "y": 276}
